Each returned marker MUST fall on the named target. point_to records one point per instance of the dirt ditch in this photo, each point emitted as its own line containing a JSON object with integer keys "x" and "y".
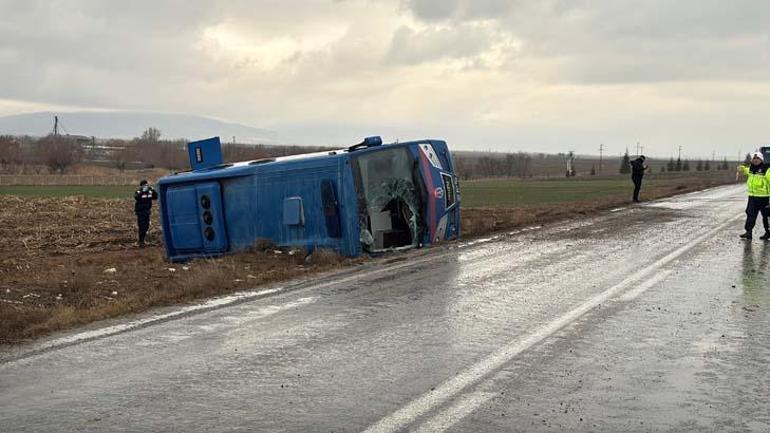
{"x": 70, "y": 261}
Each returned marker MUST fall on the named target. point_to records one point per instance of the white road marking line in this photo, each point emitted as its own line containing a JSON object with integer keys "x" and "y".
{"x": 496, "y": 237}
{"x": 646, "y": 285}
{"x": 452, "y": 415}
{"x": 212, "y": 304}
{"x": 457, "y": 411}
{"x": 418, "y": 407}
{"x": 134, "y": 324}
{"x": 258, "y": 314}
{"x": 203, "y": 307}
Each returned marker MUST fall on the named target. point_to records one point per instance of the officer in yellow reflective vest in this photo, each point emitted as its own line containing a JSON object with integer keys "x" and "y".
{"x": 758, "y": 184}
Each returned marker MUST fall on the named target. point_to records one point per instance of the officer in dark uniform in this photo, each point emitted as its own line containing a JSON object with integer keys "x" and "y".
{"x": 143, "y": 198}
{"x": 637, "y": 173}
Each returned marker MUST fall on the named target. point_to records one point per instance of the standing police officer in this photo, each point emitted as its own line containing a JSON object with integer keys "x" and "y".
{"x": 143, "y": 205}
{"x": 758, "y": 185}
{"x": 637, "y": 173}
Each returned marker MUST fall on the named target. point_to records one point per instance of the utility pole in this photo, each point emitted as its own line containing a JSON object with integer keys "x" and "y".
{"x": 56, "y": 131}
{"x": 601, "y": 154}
{"x": 637, "y": 149}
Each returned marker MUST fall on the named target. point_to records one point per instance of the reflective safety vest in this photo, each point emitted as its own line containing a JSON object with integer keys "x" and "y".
{"x": 758, "y": 184}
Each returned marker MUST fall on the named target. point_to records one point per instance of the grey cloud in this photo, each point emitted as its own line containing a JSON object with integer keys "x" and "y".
{"x": 489, "y": 9}
{"x": 430, "y": 10}
{"x": 461, "y": 10}
{"x": 680, "y": 19}
{"x": 99, "y": 53}
{"x": 463, "y": 42}
{"x": 612, "y": 41}
{"x": 148, "y": 55}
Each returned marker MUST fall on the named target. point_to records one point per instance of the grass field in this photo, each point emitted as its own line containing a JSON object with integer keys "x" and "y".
{"x": 502, "y": 192}
{"x": 106, "y": 191}
{"x": 476, "y": 193}
{"x": 515, "y": 192}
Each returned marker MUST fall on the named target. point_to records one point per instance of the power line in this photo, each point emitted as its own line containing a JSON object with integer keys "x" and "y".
{"x": 63, "y": 128}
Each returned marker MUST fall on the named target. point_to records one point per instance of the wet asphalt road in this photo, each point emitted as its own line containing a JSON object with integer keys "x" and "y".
{"x": 650, "y": 318}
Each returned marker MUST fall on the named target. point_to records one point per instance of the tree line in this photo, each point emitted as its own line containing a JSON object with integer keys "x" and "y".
{"x": 677, "y": 165}
{"x": 59, "y": 153}
{"x": 506, "y": 165}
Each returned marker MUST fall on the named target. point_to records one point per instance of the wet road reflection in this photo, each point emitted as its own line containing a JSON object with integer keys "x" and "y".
{"x": 345, "y": 356}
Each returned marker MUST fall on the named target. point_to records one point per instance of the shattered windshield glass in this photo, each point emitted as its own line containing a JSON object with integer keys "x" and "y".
{"x": 388, "y": 199}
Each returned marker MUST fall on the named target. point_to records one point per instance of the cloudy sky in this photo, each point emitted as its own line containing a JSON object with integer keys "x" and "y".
{"x": 545, "y": 75}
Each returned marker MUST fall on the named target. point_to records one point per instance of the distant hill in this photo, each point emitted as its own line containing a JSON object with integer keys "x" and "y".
{"x": 122, "y": 124}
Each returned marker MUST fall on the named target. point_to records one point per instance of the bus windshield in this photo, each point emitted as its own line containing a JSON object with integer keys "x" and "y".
{"x": 389, "y": 201}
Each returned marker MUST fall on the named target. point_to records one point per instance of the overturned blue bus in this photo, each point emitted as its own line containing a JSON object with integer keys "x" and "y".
{"x": 368, "y": 198}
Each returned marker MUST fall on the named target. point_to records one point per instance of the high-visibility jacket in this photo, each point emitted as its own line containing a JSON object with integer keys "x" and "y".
{"x": 757, "y": 183}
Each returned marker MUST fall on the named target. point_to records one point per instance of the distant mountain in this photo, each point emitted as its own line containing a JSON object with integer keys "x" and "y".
{"x": 123, "y": 124}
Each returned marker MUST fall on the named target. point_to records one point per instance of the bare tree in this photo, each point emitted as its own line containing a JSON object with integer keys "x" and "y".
{"x": 150, "y": 135}
{"x": 58, "y": 153}
{"x": 524, "y": 165}
{"x": 510, "y": 164}
{"x": 147, "y": 147}
{"x": 463, "y": 167}
{"x": 10, "y": 152}
{"x": 172, "y": 154}
{"x": 121, "y": 153}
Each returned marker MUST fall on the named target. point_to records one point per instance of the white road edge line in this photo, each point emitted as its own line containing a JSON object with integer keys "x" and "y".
{"x": 135, "y": 324}
{"x": 632, "y": 294}
{"x": 420, "y": 406}
{"x": 212, "y": 304}
{"x": 451, "y": 416}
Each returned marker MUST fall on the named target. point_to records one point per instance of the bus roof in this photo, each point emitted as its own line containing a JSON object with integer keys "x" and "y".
{"x": 243, "y": 168}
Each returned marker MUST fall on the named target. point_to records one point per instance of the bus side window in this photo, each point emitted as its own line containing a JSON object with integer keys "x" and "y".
{"x": 331, "y": 209}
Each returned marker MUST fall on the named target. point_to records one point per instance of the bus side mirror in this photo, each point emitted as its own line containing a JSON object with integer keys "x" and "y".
{"x": 372, "y": 141}
{"x": 204, "y": 153}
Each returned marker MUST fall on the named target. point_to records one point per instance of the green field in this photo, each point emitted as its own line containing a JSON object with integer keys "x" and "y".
{"x": 505, "y": 192}
{"x": 108, "y": 191}
{"x": 474, "y": 193}
{"x": 511, "y": 192}
{"x": 492, "y": 192}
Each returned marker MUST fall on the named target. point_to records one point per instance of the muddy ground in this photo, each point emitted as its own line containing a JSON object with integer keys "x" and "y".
{"x": 70, "y": 261}
{"x": 74, "y": 260}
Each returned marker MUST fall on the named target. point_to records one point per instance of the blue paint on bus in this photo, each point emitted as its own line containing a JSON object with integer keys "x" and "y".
{"x": 369, "y": 198}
